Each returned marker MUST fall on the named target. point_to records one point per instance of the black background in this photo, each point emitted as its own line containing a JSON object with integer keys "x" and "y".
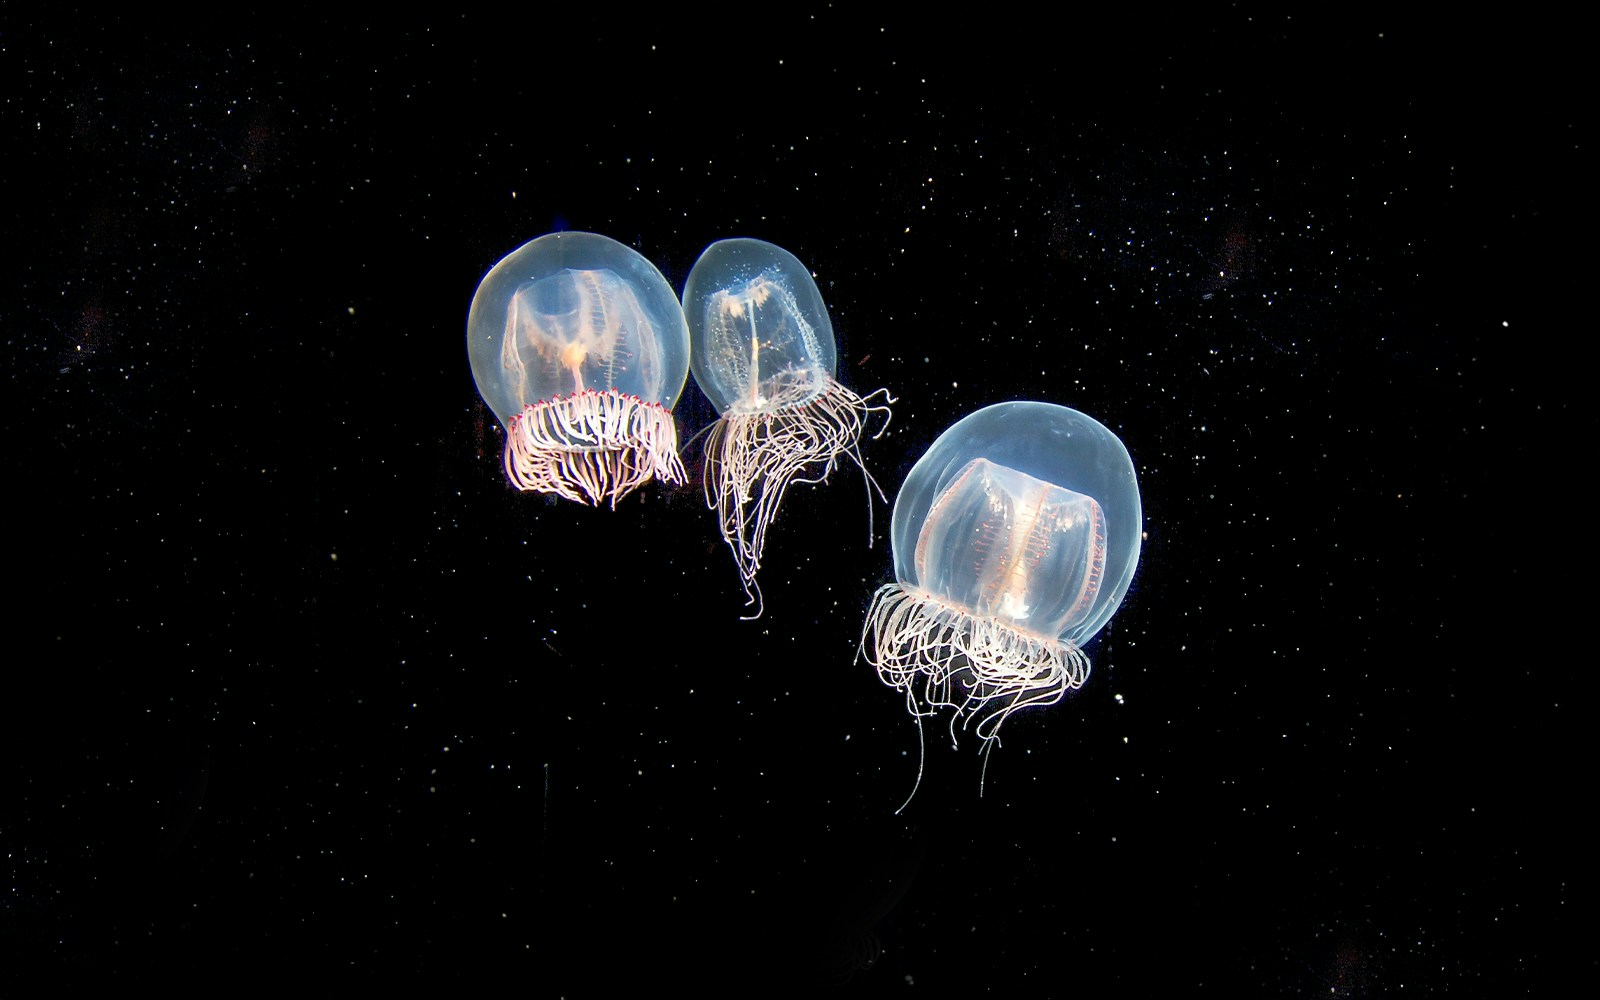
{"x": 300, "y": 689}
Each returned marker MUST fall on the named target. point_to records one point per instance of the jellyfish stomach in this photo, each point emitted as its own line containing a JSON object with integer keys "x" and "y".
{"x": 572, "y": 359}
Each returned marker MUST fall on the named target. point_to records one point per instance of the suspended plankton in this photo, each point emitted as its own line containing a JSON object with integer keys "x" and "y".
{"x": 1015, "y": 539}
{"x": 762, "y": 351}
{"x": 578, "y": 345}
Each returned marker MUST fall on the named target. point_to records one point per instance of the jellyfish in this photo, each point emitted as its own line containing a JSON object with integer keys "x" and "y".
{"x": 578, "y": 345}
{"x": 762, "y": 351}
{"x": 1015, "y": 539}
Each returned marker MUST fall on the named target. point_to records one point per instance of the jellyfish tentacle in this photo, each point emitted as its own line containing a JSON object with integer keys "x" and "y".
{"x": 983, "y": 668}
{"x": 754, "y": 454}
{"x": 592, "y": 446}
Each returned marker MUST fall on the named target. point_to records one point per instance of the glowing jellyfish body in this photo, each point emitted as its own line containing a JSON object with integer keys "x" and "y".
{"x": 762, "y": 351}
{"x": 1015, "y": 538}
{"x": 579, "y": 346}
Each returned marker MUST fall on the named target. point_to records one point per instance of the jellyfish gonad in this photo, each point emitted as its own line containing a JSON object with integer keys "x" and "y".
{"x": 579, "y": 346}
{"x": 1015, "y": 538}
{"x": 762, "y": 351}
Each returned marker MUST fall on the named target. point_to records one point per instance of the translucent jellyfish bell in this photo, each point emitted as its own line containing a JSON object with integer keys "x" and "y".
{"x": 578, "y": 345}
{"x": 1015, "y": 538}
{"x": 762, "y": 351}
